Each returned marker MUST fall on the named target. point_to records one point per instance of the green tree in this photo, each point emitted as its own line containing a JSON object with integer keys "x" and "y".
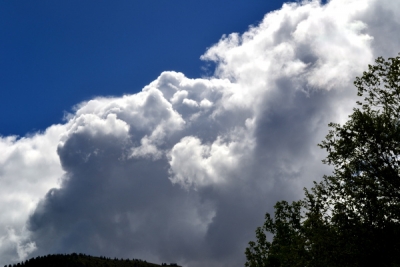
{"x": 352, "y": 217}
{"x": 286, "y": 247}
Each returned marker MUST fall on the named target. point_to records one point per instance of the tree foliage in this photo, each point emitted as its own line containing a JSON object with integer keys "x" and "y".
{"x": 81, "y": 260}
{"x": 352, "y": 217}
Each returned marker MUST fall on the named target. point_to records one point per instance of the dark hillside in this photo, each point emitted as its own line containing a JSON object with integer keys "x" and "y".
{"x": 82, "y": 260}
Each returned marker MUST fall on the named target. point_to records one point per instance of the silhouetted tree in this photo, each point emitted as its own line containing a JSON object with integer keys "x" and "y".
{"x": 352, "y": 217}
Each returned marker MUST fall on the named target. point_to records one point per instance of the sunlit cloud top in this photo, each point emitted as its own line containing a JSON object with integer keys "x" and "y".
{"x": 185, "y": 170}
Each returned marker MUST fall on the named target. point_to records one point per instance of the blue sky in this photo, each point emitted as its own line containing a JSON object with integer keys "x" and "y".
{"x": 55, "y": 54}
{"x": 185, "y": 169}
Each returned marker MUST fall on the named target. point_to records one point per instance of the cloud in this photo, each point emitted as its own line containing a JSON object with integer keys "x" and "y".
{"x": 29, "y": 167}
{"x": 185, "y": 170}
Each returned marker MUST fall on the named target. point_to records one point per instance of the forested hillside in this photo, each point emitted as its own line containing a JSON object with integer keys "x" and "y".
{"x": 82, "y": 260}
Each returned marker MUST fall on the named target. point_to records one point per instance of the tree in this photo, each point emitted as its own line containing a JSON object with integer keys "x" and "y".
{"x": 352, "y": 217}
{"x": 287, "y": 246}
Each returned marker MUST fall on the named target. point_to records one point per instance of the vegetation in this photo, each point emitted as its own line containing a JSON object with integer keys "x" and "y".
{"x": 352, "y": 217}
{"x": 82, "y": 260}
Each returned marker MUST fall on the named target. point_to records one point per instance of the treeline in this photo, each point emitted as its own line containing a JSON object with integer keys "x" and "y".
{"x": 352, "y": 217}
{"x": 80, "y": 260}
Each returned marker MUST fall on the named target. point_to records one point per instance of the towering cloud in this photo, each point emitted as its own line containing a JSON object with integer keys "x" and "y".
{"x": 185, "y": 170}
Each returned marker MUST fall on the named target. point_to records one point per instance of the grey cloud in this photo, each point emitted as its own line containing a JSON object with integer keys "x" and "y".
{"x": 382, "y": 23}
{"x": 185, "y": 170}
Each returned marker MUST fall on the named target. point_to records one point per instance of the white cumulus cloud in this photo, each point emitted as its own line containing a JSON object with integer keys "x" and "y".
{"x": 29, "y": 167}
{"x": 185, "y": 169}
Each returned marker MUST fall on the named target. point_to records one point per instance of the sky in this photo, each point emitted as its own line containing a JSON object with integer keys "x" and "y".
{"x": 165, "y": 130}
{"x": 55, "y": 54}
